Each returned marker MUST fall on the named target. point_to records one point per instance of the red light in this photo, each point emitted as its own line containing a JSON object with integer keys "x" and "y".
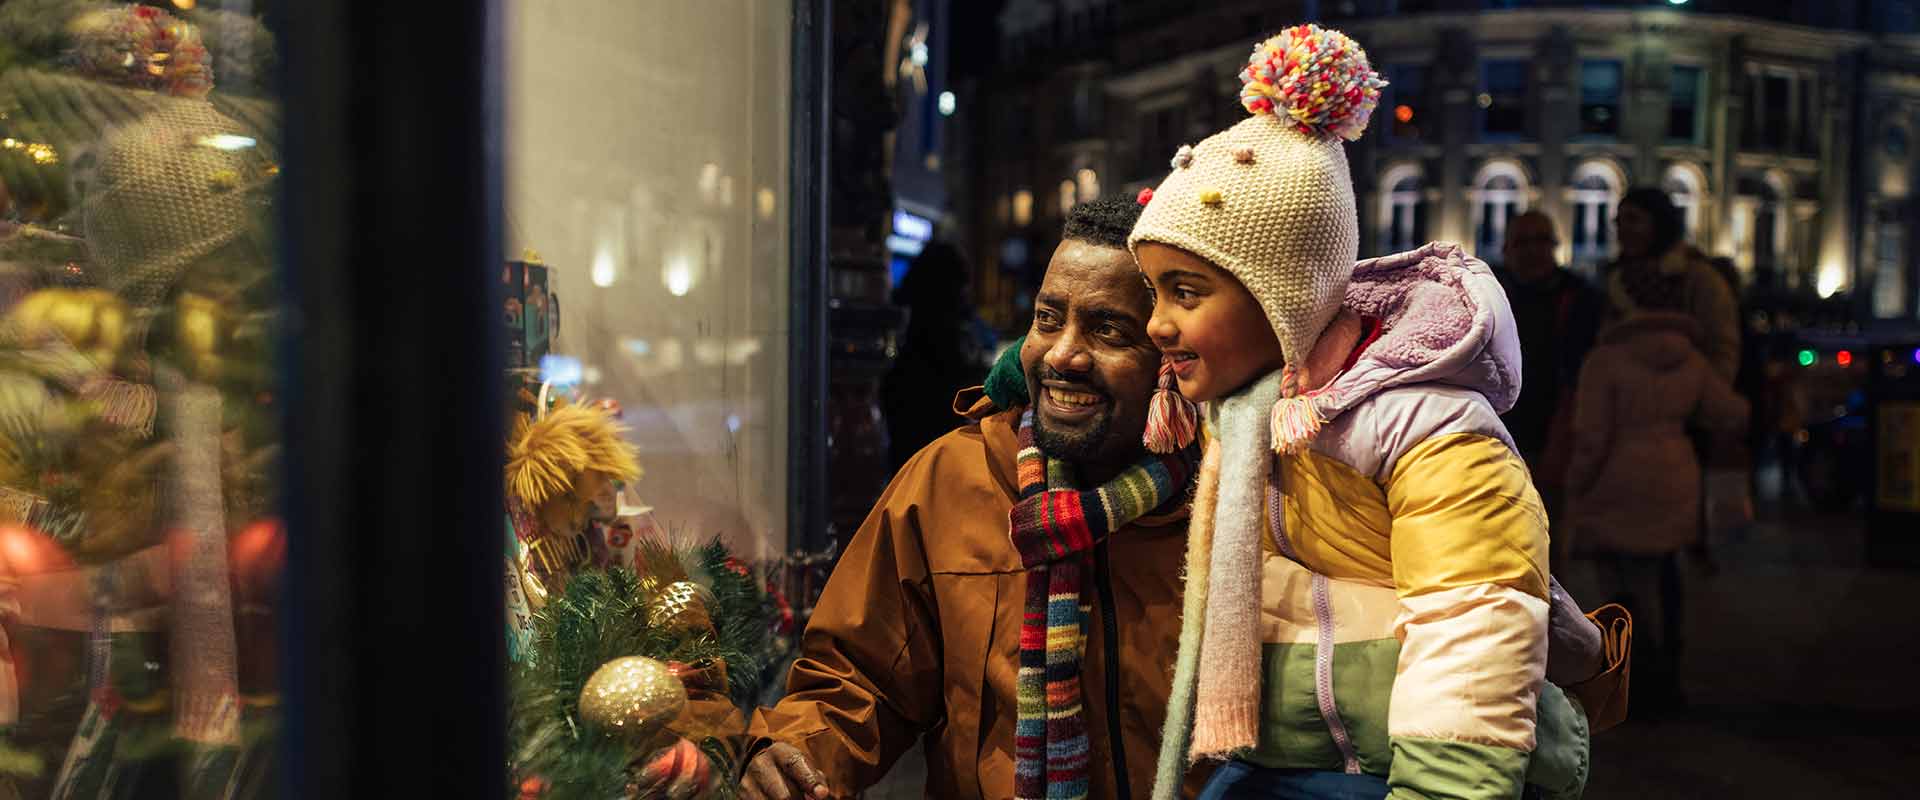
{"x": 1844, "y": 358}
{"x": 1403, "y": 113}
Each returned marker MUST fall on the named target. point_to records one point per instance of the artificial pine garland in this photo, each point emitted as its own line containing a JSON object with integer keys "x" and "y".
{"x": 601, "y": 615}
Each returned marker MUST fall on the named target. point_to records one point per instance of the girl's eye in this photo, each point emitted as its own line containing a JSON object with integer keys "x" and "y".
{"x": 1184, "y": 295}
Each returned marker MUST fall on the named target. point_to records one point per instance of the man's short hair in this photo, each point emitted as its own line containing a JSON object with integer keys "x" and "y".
{"x": 1105, "y": 222}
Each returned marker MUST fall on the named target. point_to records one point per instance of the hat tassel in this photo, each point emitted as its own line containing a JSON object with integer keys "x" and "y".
{"x": 1171, "y": 417}
{"x": 1295, "y": 422}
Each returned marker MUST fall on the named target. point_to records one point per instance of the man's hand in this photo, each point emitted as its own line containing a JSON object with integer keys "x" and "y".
{"x": 1574, "y": 650}
{"x": 781, "y": 772}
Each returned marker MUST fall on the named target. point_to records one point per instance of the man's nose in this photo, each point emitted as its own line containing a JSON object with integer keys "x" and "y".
{"x": 1069, "y": 353}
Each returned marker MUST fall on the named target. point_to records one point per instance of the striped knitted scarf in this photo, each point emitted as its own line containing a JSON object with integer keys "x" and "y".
{"x": 1055, "y": 527}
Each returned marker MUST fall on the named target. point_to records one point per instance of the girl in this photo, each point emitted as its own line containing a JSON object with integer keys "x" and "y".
{"x": 1364, "y": 538}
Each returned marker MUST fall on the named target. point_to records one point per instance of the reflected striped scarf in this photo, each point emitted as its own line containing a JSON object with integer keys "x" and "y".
{"x": 1055, "y": 527}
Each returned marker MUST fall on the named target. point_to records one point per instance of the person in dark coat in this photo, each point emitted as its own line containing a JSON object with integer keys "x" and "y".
{"x": 938, "y": 352}
{"x": 1558, "y": 315}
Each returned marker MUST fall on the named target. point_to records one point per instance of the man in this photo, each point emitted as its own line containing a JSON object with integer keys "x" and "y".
{"x": 918, "y": 634}
{"x": 1558, "y": 315}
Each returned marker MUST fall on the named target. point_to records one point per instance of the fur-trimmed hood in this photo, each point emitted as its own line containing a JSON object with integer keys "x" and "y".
{"x": 1443, "y": 319}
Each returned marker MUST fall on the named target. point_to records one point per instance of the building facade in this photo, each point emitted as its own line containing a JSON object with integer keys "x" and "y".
{"x": 1784, "y": 131}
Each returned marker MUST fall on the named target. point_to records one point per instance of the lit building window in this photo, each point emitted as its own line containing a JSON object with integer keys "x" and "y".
{"x": 1088, "y": 183}
{"x": 1500, "y": 193}
{"x": 1068, "y": 196}
{"x": 1597, "y": 187}
{"x": 1022, "y": 208}
{"x": 1405, "y": 100}
{"x": 1684, "y": 184}
{"x": 1684, "y": 109}
{"x": 1600, "y": 98}
{"x": 1503, "y": 98}
{"x": 1402, "y": 224}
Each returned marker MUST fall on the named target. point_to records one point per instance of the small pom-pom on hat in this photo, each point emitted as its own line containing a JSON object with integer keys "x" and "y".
{"x": 1318, "y": 78}
{"x": 1144, "y": 197}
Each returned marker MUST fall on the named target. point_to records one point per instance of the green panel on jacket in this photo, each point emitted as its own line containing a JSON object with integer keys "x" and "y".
{"x": 1437, "y": 769}
{"x": 1292, "y": 735}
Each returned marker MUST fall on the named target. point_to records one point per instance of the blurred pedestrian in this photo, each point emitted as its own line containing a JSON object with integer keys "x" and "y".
{"x": 1634, "y": 481}
{"x": 1656, "y": 262}
{"x": 939, "y": 354}
{"x": 1558, "y": 315}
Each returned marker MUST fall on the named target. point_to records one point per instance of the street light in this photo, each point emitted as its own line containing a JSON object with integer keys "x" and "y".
{"x": 1676, "y": 2}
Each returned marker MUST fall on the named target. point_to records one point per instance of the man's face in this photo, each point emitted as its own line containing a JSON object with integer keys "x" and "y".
{"x": 1529, "y": 247}
{"x": 1091, "y": 369}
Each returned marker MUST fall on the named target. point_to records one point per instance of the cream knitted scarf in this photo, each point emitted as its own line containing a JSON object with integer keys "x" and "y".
{"x": 1214, "y": 710}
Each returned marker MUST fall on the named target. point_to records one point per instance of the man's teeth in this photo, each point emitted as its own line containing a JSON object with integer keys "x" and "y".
{"x": 1067, "y": 398}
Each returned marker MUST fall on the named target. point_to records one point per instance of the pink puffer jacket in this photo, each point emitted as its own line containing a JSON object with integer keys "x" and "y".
{"x": 1634, "y": 481}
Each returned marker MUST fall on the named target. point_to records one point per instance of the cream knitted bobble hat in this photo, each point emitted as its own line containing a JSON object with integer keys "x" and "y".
{"x": 1270, "y": 199}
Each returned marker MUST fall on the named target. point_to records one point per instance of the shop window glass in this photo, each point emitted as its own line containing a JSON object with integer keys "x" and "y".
{"x": 140, "y": 552}
{"x": 647, "y": 207}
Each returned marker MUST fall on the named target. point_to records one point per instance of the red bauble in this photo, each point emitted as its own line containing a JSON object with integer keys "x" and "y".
{"x": 257, "y": 556}
{"x": 25, "y": 551}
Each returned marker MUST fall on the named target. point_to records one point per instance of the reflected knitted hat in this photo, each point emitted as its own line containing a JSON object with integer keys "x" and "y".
{"x": 173, "y": 186}
{"x": 1270, "y": 199}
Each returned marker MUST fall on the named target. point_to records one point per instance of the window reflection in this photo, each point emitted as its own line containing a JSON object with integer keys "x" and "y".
{"x": 139, "y": 552}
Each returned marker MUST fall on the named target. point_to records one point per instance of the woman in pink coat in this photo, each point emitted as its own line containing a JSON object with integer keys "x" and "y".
{"x": 1634, "y": 480}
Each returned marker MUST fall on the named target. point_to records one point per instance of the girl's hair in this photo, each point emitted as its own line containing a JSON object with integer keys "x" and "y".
{"x": 1669, "y": 224}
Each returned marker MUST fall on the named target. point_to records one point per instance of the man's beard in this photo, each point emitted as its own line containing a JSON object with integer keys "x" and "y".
{"x": 1074, "y": 446}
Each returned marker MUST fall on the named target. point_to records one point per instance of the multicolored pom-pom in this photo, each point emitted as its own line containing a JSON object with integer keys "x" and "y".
{"x": 1144, "y": 197}
{"x": 1319, "y": 78}
{"x": 1183, "y": 157}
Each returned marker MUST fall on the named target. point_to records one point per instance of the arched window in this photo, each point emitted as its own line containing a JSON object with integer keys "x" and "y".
{"x": 1595, "y": 190}
{"x": 1686, "y": 184}
{"x": 1402, "y": 224}
{"x": 1500, "y": 192}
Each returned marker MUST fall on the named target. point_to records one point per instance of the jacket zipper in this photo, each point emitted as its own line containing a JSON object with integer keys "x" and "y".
{"x": 1110, "y": 641}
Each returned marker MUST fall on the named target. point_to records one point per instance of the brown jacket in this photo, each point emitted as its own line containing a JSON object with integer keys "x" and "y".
{"x": 917, "y": 633}
{"x": 1702, "y": 295}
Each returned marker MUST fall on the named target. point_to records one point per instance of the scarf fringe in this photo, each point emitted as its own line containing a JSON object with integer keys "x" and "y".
{"x": 1171, "y": 771}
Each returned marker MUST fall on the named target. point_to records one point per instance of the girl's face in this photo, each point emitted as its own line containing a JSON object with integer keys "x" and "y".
{"x": 1207, "y": 322}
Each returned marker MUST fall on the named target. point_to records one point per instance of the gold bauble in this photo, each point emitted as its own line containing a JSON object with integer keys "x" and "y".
{"x": 680, "y": 606}
{"x": 632, "y": 697}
